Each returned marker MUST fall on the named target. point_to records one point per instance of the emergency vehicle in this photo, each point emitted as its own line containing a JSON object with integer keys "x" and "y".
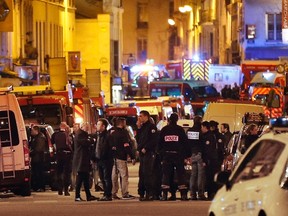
{"x": 86, "y": 108}
{"x": 130, "y": 113}
{"x": 251, "y": 67}
{"x": 41, "y": 105}
{"x": 14, "y": 151}
{"x": 267, "y": 88}
{"x": 194, "y": 91}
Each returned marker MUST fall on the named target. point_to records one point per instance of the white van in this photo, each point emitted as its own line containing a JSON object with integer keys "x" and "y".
{"x": 231, "y": 113}
{"x": 14, "y": 152}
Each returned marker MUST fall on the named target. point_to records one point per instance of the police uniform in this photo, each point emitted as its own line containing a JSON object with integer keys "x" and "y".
{"x": 173, "y": 149}
{"x": 64, "y": 160}
{"x": 210, "y": 157}
{"x": 147, "y": 138}
{"x": 197, "y": 180}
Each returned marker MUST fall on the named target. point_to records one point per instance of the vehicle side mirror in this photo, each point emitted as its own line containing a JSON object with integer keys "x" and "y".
{"x": 222, "y": 177}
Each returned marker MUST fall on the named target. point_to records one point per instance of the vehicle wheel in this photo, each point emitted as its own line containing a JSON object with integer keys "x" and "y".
{"x": 26, "y": 189}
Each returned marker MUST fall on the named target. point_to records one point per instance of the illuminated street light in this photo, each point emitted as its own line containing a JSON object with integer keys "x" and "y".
{"x": 171, "y": 22}
{"x": 187, "y": 8}
{"x": 182, "y": 9}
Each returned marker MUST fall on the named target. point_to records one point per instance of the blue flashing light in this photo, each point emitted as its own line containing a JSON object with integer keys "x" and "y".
{"x": 196, "y": 58}
{"x": 279, "y": 122}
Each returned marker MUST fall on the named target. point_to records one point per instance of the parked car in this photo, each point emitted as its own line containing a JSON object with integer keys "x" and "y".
{"x": 49, "y": 154}
{"x": 259, "y": 183}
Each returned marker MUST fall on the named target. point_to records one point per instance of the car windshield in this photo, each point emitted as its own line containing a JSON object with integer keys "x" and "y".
{"x": 260, "y": 161}
{"x": 42, "y": 114}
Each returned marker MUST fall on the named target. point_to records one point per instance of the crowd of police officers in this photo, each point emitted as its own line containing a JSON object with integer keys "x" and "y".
{"x": 162, "y": 157}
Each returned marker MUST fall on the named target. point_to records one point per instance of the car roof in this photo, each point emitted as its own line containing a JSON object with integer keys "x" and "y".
{"x": 185, "y": 123}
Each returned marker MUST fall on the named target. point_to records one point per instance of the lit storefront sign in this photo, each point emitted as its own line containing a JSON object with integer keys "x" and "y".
{"x": 250, "y": 32}
{"x": 285, "y": 21}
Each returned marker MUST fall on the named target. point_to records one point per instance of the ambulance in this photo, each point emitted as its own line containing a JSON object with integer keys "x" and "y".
{"x": 14, "y": 152}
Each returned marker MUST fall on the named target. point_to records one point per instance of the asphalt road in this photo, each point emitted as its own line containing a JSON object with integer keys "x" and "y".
{"x": 49, "y": 203}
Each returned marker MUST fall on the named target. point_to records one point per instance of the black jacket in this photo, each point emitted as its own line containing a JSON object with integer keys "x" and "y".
{"x": 194, "y": 139}
{"x": 82, "y": 147}
{"x": 102, "y": 149}
{"x": 119, "y": 142}
{"x": 173, "y": 140}
{"x": 147, "y": 137}
{"x": 210, "y": 147}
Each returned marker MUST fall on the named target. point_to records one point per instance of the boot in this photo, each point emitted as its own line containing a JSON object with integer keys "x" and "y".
{"x": 183, "y": 195}
{"x": 172, "y": 197}
{"x": 164, "y": 196}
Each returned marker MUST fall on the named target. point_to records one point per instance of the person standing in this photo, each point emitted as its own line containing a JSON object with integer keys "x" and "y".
{"x": 225, "y": 130}
{"x": 147, "y": 139}
{"x": 252, "y": 136}
{"x": 38, "y": 148}
{"x": 219, "y": 144}
{"x": 119, "y": 140}
{"x": 103, "y": 158}
{"x": 173, "y": 149}
{"x": 197, "y": 179}
{"x": 63, "y": 145}
{"x": 81, "y": 162}
{"x": 210, "y": 157}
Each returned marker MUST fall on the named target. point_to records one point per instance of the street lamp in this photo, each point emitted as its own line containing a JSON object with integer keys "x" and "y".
{"x": 171, "y": 22}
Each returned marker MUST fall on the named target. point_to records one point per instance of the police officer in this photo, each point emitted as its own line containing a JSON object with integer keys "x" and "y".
{"x": 220, "y": 142}
{"x": 147, "y": 139}
{"x": 197, "y": 179}
{"x": 210, "y": 158}
{"x": 173, "y": 149}
{"x": 63, "y": 157}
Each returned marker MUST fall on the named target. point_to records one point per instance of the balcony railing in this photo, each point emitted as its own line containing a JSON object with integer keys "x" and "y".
{"x": 207, "y": 16}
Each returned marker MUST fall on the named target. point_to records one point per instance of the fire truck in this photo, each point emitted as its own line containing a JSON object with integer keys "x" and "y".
{"x": 197, "y": 92}
{"x": 250, "y": 68}
{"x": 267, "y": 88}
{"x": 130, "y": 112}
{"x": 86, "y": 108}
{"x": 41, "y": 105}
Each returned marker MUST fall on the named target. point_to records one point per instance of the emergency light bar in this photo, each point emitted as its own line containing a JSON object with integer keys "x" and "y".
{"x": 281, "y": 122}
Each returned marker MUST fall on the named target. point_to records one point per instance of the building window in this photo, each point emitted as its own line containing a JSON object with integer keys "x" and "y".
{"x": 142, "y": 50}
{"x": 274, "y": 27}
{"x": 142, "y": 15}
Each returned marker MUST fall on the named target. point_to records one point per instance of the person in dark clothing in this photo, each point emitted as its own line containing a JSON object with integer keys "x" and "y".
{"x": 37, "y": 152}
{"x": 210, "y": 157}
{"x": 220, "y": 142}
{"x": 119, "y": 140}
{"x": 173, "y": 149}
{"x": 225, "y": 130}
{"x": 252, "y": 136}
{"x": 147, "y": 139}
{"x": 104, "y": 159}
{"x": 81, "y": 161}
{"x": 197, "y": 179}
{"x": 63, "y": 157}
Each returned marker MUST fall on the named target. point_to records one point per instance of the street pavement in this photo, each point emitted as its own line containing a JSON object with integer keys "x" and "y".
{"x": 50, "y": 203}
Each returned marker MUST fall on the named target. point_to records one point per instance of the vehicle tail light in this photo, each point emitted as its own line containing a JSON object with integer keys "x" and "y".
{"x": 26, "y": 153}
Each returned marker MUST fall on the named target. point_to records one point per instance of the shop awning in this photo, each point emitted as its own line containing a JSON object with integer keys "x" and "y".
{"x": 266, "y": 53}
